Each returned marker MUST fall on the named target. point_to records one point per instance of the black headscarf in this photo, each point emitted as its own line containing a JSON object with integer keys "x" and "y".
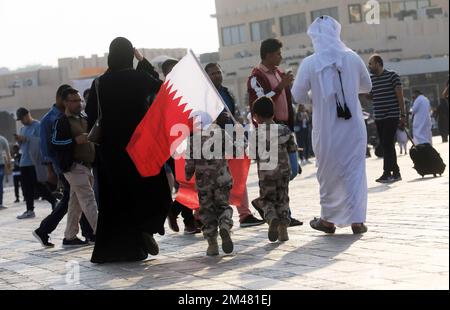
{"x": 121, "y": 54}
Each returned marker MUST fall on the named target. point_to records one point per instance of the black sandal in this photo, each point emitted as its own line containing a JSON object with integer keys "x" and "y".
{"x": 360, "y": 229}
{"x": 317, "y": 225}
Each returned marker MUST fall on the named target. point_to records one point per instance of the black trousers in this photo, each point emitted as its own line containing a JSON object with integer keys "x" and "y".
{"x": 49, "y": 224}
{"x": 303, "y": 142}
{"x": 30, "y": 185}
{"x": 387, "y": 129}
{"x": 186, "y": 213}
{"x": 17, "y": 182}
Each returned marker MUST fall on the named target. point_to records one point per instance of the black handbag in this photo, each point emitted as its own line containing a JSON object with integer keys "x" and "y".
{"x": 96, "y": 135}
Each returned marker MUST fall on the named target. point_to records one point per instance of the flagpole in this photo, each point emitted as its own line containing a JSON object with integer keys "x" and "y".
{"x": 236, "y": 123}
{"x": 214, "y": 87}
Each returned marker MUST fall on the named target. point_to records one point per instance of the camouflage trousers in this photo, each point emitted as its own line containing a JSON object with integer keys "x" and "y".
{"x": 215, "y": 210}
{"x": 274, "y": 200}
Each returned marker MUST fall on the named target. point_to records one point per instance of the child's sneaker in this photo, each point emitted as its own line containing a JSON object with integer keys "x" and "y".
{"x": 273, "y": 230}
{"x": 213, "y": 247}
{"x": 227, "y": 243}
{"x": 283, "y": 233}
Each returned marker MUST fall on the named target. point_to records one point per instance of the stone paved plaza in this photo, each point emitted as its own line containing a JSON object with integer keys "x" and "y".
{"x": 407, "y": 247}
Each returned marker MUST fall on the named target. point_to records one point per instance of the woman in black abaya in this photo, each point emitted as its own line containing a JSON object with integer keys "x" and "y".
{"x": 131, "y": 208}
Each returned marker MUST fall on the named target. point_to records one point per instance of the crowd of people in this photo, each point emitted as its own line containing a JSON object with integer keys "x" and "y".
{"x": 119, "y": 211}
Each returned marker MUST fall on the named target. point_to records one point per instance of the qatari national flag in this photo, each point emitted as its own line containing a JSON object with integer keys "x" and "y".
{"x": 186, "y": 98}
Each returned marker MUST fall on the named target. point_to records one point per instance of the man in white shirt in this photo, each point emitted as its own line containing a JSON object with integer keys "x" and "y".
{"x": 422, "y": 126}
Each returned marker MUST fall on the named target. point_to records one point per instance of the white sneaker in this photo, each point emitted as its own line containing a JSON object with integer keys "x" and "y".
{"x": 26, "y": 215}
{"x": 2, "y": 207}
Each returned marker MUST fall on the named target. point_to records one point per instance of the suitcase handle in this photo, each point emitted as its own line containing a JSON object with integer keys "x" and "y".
{"x": 410, "y": 137}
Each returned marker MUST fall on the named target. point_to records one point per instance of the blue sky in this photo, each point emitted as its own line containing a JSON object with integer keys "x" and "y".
{"x": 41, "y": 31}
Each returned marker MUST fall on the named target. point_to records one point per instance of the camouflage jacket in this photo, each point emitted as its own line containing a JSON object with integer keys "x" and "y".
{"x": 210, "y": 171}
{"x": 269, "y": 167}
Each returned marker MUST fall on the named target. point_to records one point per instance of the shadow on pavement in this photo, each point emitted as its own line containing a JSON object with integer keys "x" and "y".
{"x": 379, "y": 189}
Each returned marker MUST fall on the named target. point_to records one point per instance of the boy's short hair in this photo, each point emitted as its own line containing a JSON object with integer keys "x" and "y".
{"x": 69, "y": 91}
{"x": 168, "y": 65}
{"x": 270, "y": 46}
{"x": 263, "y": 107}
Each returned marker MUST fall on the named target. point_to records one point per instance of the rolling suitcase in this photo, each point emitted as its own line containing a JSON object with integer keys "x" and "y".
{"x": 427, "y": 161}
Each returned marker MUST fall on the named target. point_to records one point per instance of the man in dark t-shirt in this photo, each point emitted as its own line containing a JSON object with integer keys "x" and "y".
{"x": 389, "y": 112}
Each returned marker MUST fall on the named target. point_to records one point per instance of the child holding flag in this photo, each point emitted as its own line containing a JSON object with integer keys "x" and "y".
{"x": 213, "y": 183}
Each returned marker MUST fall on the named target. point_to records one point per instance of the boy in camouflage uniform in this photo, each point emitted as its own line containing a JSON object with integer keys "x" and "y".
{"x": 213, "y": 183}
{"x": 274, "y": 182}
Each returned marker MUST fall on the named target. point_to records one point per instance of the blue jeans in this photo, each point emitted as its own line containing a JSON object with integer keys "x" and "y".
{"x": 2, "y": 176}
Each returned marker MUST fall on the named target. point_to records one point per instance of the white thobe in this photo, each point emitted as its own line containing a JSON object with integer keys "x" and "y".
{"x": 339, "y": 144}
{"x": 422, "y": 121}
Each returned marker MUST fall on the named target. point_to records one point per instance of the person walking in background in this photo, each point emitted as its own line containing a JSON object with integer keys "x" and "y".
{"x": 16, "y": 172}
{"x": 49, "y": 224}
{"x": 5, "y": 160}
{"x": 75, "y": 156}
{"x": 442, "y": 116}
{"x": 402, "y": 139}
{"x": 390, "y": 114}
{"x": 29, "y": 141}
{"x": 302, "y": 130}
{"x": 421, "y": 119}
{"x": 86, "y": 96}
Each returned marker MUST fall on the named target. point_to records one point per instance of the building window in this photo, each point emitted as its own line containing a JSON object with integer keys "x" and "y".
{"x": 431, "y": 13}
{"x": 397, "y": 7}
{"x": 333, "y": 12}
{"x": 233, "y": 35}
{"x": 385, "y": 10}
{"x": 293, "y": 24}
{"x": 354, "y": 13}
{"x": 263, "y": 30}
{"x": 402, "y": 9}
{"x": 423, "y": 4}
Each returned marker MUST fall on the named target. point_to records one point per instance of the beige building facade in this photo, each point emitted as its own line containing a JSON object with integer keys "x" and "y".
{"x": 412, "y": 35}
{"x": 35, "y": 90}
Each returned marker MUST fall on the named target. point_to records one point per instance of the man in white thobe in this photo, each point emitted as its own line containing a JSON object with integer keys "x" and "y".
{"x": 422, "y": 125}
{"x": 336, "y": 75}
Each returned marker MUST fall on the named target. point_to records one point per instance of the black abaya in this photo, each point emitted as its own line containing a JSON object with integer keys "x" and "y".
{"x": 128, "y": 204}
